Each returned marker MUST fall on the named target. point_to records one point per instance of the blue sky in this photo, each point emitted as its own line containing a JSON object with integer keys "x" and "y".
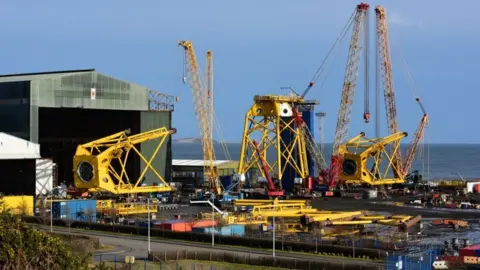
{"x": 258, "y": 46}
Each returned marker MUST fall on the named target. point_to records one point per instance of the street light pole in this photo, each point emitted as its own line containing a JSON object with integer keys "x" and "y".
{"x": 213, "y": 226}
{"x": 213, "y": 217}
{"x": 273, "y": 235}
{"x": 148, "y": 213}
{"x": 51, "y": 213}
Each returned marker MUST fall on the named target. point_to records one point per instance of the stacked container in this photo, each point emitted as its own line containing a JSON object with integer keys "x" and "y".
{"x": 230, "y": 230}
{"x": 471, "y": 251}
{"x": 80, "y": 210}
{"x": 175, "y": 225}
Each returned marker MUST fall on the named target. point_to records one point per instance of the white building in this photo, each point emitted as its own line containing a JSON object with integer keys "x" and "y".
{"x": 22, "y": 171}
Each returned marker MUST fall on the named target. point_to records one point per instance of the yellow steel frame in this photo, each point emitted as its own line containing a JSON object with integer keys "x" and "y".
{"x": 203, "y": 104}
{"x": 100, "y": 173}
{"x": 265, "y": 121}
{"x": 360, "y": 150}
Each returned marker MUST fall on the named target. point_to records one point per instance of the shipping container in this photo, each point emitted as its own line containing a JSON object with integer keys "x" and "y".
{"x": 473, "y": 250}
{"x": 476, "y": 188}
{"x": 175, "y": 226}
{"x": 18, "y": 204}
{"x": 229, "y": 230}
{"x": 204, "y": 223}
{"x": 81, "y": 210}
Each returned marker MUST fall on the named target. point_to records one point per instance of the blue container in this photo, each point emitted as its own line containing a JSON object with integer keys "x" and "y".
{"x": 229, "y": 230}
{"x": 236, "y": 229}
{"x": 81, "y": 210}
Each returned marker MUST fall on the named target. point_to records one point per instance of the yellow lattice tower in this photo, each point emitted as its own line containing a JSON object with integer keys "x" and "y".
{"x": 265, "y": 122}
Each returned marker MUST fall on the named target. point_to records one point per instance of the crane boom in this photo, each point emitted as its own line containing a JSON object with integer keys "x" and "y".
{"x": 407, "y": 165}
{"x": 101, "y": 165}
{"x": 348, "y": 90}
{"x": 385, "y": 63}
{"x": 202, "y": 102}
{"x": 315, "y": 152}
{"x": 351, "y": 75}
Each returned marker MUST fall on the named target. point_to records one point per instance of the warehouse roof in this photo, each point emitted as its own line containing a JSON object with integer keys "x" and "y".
{"x": 198, "y": 162}
{"x": 12, "y": 147}
{"x": 47, "y": 72}
{"x": 41, "y": 75}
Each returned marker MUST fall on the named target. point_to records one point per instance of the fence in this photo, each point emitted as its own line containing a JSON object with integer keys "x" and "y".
{"x": 195, "y": 260}
{"x": 322, "y": 248}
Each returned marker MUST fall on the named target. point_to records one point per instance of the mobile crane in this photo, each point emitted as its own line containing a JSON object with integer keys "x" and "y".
{"x": 360, "y": 146}
{"x": 202, "y": 101}
{"x": 202, "y": 96}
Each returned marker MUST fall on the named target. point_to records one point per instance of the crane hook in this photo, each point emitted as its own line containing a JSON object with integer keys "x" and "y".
{"x": 366, "y": 116}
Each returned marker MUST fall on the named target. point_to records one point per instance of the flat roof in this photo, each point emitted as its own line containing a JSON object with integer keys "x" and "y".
{"x": 47, "y": 72}
{"x": 12, "y": 147}
{"x": 197, "y": 162}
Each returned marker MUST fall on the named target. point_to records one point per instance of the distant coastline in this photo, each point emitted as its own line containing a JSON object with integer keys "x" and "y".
{"x": 191, "y": 140}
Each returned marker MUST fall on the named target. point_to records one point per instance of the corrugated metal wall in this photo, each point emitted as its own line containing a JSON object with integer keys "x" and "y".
{"x": 14, "y": 108}
{"x": 163, "y": 161}
{"x": 74, "y": 91}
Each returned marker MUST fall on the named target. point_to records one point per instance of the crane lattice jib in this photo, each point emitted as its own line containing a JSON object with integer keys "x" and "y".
{"x": 383, "y": 50}
{"x": 311, "y": 146}
{"x": 209, "y": 88}
{"x": 407, "y": 165}
{"x": 202, "y": 104}
{"x": 101, "y": 165}
{"x": 351, "y": 75}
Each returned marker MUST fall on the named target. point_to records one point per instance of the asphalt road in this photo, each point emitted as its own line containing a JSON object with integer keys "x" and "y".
{"x": 125, "y": 245}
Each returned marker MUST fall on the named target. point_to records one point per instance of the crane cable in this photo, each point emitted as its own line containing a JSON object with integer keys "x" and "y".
{"x": 416, "y": 96}
{"x": 340, "y": 38}
{"x": 220, "y": 134}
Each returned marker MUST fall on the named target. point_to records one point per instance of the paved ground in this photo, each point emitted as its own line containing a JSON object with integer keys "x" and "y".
{"x": 347, "y": 204}
{"x": 138, "y": 245}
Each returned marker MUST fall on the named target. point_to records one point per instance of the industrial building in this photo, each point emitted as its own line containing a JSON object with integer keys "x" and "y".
{"x": 190, "y": 172}
{"x": 59, "y": 110}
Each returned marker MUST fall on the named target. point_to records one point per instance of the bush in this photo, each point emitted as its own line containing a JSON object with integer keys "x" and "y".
{"x": 26, "y": 248}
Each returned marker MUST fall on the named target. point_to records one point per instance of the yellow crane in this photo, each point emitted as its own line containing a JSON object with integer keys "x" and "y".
{"x": 100, "y": 165}
{"x": 203, "y": 103}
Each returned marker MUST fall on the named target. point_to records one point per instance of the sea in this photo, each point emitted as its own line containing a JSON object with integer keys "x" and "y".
{"x": 434, "y": 161}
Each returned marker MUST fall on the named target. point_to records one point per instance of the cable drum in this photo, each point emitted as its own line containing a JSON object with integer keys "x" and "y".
{"x": 85, "y": 171}
{"x": 349, "y": 167}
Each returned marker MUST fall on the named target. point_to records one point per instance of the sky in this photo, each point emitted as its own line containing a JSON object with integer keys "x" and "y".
{"x": 258, "y": 47}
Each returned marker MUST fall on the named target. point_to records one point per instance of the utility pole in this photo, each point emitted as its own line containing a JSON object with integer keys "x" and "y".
{"x": 320, "y": 116}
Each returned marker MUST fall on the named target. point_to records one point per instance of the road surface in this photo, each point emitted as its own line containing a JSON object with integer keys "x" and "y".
{"x": 126, "y": 245}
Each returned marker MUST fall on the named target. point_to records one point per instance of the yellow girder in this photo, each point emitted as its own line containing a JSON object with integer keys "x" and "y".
{"x": 333, "y": 216}
{"x": 265, "y": 121}
{"x": 360, "y": 153}
{"x": 253, "y": 202}
{"x": 100, "y": 165}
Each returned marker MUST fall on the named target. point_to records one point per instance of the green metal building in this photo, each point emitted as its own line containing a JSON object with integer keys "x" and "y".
{"x": 62, "y": 109}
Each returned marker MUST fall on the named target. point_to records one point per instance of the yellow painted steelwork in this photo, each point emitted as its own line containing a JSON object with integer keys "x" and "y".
{"x": 359, "y": 150}
{"x": 352, "y": 222}
{"x": 262, "y": 210}
{"x": 100, "y": 165}
{"x": 333, "y": 216}
{"x": 130, "y": 209}
{"x": 253, "y": 202}
{"x": 104, "y": 204}
{"x": 265, "y": 121}
{"x": 203, "y": 104}
{"x": 19, "y": 205}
